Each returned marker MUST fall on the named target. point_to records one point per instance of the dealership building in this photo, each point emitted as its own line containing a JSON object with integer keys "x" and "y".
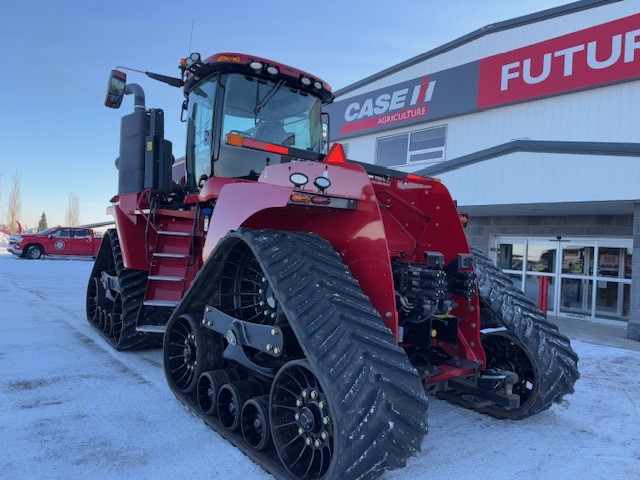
{"x": 534, "y": 126}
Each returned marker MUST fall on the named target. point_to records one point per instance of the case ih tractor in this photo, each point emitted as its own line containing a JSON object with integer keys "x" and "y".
{"x": 305, "y": 303}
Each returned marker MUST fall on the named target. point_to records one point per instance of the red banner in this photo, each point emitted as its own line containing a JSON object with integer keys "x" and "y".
{"x": 602, "y": 54}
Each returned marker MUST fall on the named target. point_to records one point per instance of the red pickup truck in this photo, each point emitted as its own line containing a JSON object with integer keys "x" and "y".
{"x": 57, "y": 241}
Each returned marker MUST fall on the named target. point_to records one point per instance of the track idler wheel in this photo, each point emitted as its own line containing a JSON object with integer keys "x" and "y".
{"x": 254, "y": 422}
{"x": 209, "y": 385}
{"x": 107, "y": 325}
{"x": 102, "y": 320}
{"x": 188, "y": 351}
{"x": 301, "y": 423}
{"x": 232, "y": 397}
{"x": 95, "y": 298}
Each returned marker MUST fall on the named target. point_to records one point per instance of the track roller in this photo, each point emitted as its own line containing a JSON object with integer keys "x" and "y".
{"x": 254, "y": 422}
{"x": 209, "y": 385}
{"x": 232, "y": 397}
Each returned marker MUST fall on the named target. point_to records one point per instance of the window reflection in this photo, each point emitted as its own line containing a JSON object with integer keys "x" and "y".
{"x": 613, "y": 299}
{"x": 532, "y": 289}
{"x": 516, "y": 279}
{"x": 615, "y": 262}
{"x": 541, "y": 258}
{"x": 577, "y": 260}
{"x": 511, "y": 256}
{"x": 575, "y": 295}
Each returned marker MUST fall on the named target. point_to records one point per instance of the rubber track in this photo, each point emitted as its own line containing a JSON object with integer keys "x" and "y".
{"x": 555, "y": 360}
{"x": 379, "y": 404}
{"x": 132, "y": 288}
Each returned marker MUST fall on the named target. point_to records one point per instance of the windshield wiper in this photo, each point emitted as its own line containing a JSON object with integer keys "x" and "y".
{"x": 267, "y": 97}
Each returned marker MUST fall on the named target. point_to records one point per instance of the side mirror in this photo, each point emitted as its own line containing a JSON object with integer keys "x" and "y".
{"x": 325, "y": 132}
{"x": 115, "y": 89}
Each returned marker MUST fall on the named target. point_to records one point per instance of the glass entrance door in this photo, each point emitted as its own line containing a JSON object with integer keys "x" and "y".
{"x": 585, "y": 278}
{"x": 576, "y": 280}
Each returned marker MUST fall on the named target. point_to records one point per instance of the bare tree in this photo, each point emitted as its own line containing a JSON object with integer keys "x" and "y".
{"x": 72, "y": 217}
{"x": 14, "y": 204}
{"x": 1, "y": 209}
{"x": 42, "y": 224}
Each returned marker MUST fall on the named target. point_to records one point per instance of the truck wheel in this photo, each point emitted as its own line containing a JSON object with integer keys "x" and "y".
{"x": 35, "y": 252}
{"x": 525, "y": 342}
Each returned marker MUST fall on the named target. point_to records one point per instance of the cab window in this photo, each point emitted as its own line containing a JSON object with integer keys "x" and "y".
{"x": 62, "y": 233}
{"x": 200, "y": 130}
{"x": 272, "y": 112}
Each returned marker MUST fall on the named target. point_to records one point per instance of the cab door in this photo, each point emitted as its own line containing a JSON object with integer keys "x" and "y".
{"x": 82, "y": 242}
{"x": 59, "y": 242}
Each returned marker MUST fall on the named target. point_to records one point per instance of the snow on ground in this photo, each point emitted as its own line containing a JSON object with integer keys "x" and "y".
{"x": 71, "y": 407}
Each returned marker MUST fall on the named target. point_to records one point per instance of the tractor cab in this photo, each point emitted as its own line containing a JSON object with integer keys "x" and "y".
{"x": 244, "y": 113}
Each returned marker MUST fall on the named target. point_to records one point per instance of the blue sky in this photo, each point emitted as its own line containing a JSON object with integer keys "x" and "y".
{"x": 60, "y": 139}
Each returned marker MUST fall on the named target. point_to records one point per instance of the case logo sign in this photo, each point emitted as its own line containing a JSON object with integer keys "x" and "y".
{"x": 389, "y": 107}
{"x": 602, "y": 54}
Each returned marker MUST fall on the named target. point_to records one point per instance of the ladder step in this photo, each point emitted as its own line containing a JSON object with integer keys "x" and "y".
{"x": 174, "y": 234}
{"x": 166, "y": 212}
{"x": 161, "y": 303}
{"x": 151, "y": 328}
{"x": 171, "y": 255}
{"x": 166, "y": 278}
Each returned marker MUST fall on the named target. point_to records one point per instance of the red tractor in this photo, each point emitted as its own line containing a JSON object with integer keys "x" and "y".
{"x": 305, "y": 303}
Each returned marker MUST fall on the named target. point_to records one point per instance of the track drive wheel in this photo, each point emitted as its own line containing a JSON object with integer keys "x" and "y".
{"x": 524, "y": 342}
{"x": 114, "y": 313}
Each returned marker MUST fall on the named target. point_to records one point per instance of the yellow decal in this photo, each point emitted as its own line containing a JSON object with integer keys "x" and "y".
{"x": 149, "y": 146}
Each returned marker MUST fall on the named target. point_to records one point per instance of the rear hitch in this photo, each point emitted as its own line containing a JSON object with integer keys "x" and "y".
{"x": 493, "y": 385}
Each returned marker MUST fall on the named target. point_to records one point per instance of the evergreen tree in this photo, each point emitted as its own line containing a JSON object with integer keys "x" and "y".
{"x": 42, "y": 224}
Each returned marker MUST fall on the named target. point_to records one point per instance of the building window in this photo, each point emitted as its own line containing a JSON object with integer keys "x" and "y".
{"x": 421, "y": 146}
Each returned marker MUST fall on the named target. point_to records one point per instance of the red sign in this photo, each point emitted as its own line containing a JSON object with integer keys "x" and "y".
{"x": 602, "y": 54}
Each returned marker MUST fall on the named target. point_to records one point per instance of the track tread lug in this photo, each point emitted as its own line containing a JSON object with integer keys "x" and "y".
{"x": 555, "y": 360}
{"x": 133, "y": 285}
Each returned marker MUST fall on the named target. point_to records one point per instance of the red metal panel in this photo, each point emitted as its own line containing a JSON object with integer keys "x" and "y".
{"x": 594, "y": 56}
{"x": 130, "y": 227}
